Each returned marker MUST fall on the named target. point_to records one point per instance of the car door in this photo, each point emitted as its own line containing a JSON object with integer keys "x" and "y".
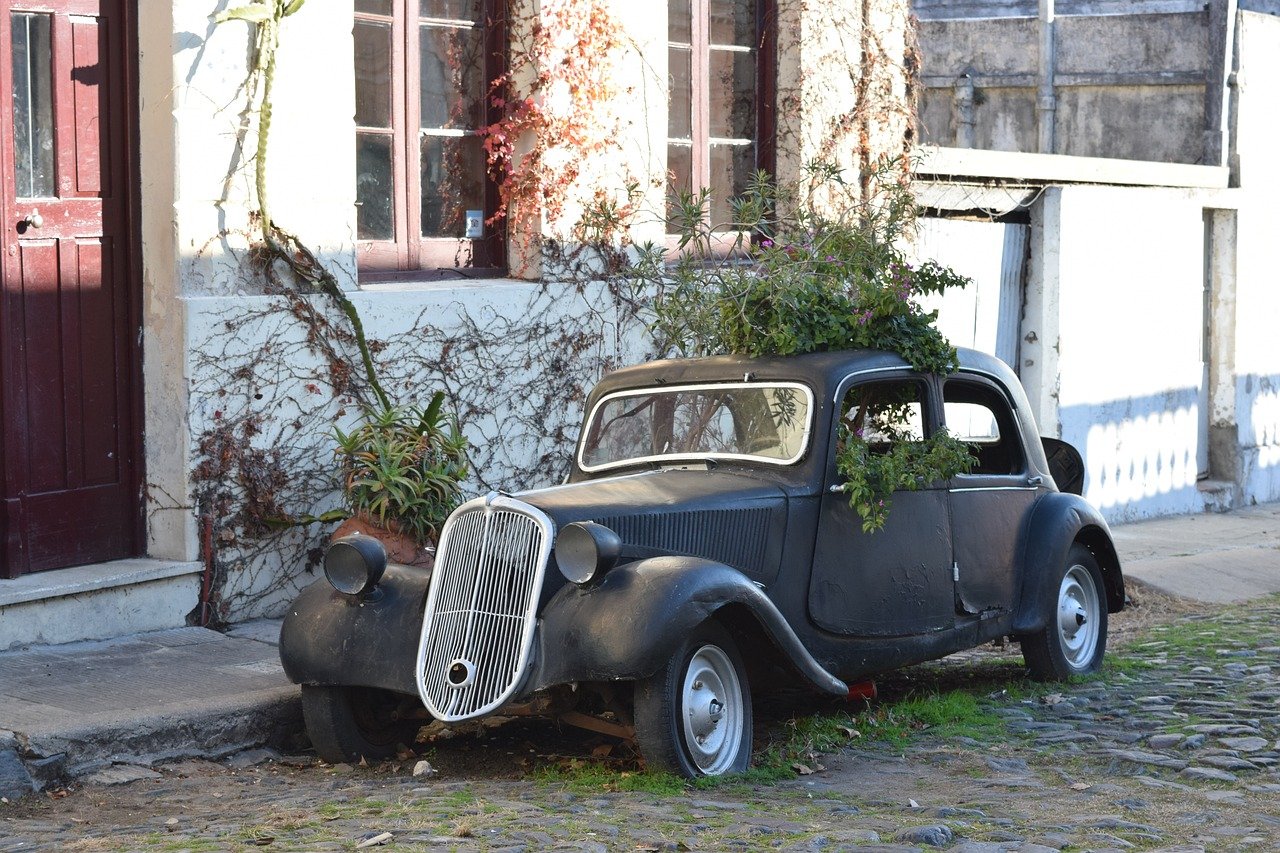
{"x": 989, "y": 505}
{"x": 896, "y": 581}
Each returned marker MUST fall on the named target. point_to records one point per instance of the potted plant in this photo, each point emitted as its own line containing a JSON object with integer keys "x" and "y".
{"x": 402, "y": 473}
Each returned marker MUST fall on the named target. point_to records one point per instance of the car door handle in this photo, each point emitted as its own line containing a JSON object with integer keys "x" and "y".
{"x": 835, "y": 488}
{"x": 1035, "y": 481}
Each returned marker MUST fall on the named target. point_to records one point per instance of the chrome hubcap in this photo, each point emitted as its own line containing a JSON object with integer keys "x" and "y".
{"x": 1078, "y": 617}
{"x": 711, "y": 710}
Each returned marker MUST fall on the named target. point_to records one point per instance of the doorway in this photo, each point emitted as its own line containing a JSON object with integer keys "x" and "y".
{"x": 68, "y": 315}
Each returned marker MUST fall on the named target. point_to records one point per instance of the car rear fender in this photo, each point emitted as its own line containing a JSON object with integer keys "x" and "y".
{"x": 329, "y": 638}
{"x": 630, "y": 623}
{"x": 1057, "y": 521}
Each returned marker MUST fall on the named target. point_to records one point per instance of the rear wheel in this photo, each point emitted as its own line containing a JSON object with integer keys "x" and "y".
{"x": 693, "y": 716}
{"x": 347, "y": 724}
{"x": 1074, "y": 639}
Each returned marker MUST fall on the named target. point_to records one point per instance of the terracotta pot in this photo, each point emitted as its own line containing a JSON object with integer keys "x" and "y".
{"x": 401, "y": 547}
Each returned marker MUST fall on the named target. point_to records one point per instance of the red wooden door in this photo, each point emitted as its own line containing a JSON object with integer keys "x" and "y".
{"x": 67, "y": 351}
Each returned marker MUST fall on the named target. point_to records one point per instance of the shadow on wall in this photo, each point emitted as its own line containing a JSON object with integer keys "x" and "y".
{"x": 1143, "y": 455}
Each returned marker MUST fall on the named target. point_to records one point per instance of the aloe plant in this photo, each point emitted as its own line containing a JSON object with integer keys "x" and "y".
{"x": 403, "y": 467}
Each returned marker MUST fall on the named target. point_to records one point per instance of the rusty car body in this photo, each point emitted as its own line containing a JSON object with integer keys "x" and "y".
{"x": 701, "y": 545}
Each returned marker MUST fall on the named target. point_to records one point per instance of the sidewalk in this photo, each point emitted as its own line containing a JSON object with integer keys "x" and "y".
{"x": 1215, "y": 558}
{"x": 112, "y": 707}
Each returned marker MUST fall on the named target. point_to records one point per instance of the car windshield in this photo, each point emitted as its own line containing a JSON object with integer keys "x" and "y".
{"x": 750, "y": 421}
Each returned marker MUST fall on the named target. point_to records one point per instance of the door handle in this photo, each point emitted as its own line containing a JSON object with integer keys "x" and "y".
{"x": 1035, "y": 480}
{"x": 33, "y": 219}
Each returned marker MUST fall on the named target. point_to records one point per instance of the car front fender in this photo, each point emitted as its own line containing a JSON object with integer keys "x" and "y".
{"x": 1057, "y": 521}
{"x": 630, "y": 623}
{"x": 329, "y": 638}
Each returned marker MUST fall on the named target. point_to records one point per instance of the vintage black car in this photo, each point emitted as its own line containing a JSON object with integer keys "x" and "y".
{"x": 703, "y": 545}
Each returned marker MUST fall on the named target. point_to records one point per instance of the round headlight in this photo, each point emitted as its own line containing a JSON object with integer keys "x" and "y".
{"x": 585, "y": 550}
{"x": 355, "y": 563}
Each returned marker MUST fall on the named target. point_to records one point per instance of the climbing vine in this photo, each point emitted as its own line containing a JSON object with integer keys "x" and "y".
{"x": 516, "y": 371}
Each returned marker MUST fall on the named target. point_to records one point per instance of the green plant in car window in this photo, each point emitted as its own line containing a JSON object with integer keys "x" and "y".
{"x": 806, "y": 269}
{"x": 403, "y": 467}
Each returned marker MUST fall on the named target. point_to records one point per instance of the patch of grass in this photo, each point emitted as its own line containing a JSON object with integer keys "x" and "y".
{"x": 1114, "y": 663}
{"x": 591, "y": 776}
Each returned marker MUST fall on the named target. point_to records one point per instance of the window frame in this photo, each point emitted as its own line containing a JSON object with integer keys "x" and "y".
{"x": 408, "y": 254}
{"x": 766, "y": 48}
{"x": 1008, "y": 427}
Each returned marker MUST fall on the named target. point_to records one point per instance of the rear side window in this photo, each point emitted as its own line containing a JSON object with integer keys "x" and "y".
{"x": 885, "y": 413}
{"x": 979, "y": 415}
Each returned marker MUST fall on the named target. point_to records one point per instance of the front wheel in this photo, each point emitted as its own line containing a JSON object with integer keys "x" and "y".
{"x": 347, "y": 724}
{"x": 1075, "y": 637}
{"x": 693, "y": 716}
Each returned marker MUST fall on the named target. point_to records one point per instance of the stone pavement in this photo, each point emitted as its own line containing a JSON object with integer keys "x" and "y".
{"x": 81, "y": 708}
{"x": 1174, "y": 748}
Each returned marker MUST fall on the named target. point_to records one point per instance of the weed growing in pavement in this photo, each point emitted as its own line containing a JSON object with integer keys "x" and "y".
{"x": 597, "y": 777}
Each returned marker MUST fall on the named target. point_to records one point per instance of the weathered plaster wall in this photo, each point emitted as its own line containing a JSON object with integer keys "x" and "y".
{"x": 515, "y": 358}
{"x": 1257, "y": 309}
{"x": 1128, "y": 86}
{"x": 1130, "y": 301}
{"x": 241, "y": 404}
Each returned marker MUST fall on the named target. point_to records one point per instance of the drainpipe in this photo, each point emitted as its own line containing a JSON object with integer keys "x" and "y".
{"x": 965, "y": 120}
{"x": 1047, "y": 101}
{"x": 1217, "y": 89}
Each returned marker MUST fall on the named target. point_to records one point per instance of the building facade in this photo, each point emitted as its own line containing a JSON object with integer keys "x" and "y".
{"x": 171, "y": 391}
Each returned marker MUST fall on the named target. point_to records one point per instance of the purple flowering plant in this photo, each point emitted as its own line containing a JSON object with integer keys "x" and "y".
{"x": 822, "y": 265}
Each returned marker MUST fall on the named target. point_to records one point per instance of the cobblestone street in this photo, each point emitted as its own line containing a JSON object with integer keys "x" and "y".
{"x": 1176, "y": 746}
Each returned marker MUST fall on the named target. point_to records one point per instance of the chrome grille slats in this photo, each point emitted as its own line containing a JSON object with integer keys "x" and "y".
{"x": 481, "y": 608}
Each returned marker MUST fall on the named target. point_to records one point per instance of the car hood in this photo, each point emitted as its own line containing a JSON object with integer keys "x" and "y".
{"x": 728, "y": 517}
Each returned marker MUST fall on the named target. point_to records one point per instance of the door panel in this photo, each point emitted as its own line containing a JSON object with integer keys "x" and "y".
{"x": 897, "y": 581}
{"x": 894, "y": 582}
{"x": 991, "y": 504}
{"x": 71, "y": 493}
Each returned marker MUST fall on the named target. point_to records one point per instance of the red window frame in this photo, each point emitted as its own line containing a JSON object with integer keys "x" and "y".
{"x": 700, "y": 45}
{"x": 408, "y": 251}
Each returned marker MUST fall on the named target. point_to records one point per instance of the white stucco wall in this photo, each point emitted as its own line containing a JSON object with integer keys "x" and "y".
{"x": 515, "y": 358}
{"x": 1132, "y": 385}
{"x": 1257, "y": 319}
{"x": 226, "y": 362}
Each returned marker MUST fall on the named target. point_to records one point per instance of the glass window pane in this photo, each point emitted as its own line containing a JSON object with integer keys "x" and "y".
{"x": 885, "y": 413}
{"x": 732, "y": 99}
{"x": 679, "y": 21}
{"x": 679, "y": 173}
{"x": 452, "y": 77}
{"x": 680, "y": 86}
{"x": 32, "y": 105}
{"x": 374, "y": 7}
{"x": 374, "y": 188}
{"x": 769, "y": 423}
{"x": 453, "y": 10}
{"x": 453, "y": 171}
{"x": 373, "y": 74}
{"x": 732, "y": 22}
{"x": 731, "y": 169}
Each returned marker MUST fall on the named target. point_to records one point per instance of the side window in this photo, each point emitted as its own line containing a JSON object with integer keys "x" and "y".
{"x": 979, "y": 415}
{"x": 885, "y": 413}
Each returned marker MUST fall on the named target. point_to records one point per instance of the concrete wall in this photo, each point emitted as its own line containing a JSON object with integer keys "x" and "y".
{"x": 947, "y": 9}
{"x": 1130, "y": 86}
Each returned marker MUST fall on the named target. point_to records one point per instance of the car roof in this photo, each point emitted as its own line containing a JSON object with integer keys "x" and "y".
{"x": 823, "y": 371}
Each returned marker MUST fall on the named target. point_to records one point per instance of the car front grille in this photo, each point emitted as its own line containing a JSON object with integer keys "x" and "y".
{"x": 477, "y": 630}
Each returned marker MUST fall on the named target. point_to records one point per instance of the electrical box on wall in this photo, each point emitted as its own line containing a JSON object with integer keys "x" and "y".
{"x": 475, "y": 224}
